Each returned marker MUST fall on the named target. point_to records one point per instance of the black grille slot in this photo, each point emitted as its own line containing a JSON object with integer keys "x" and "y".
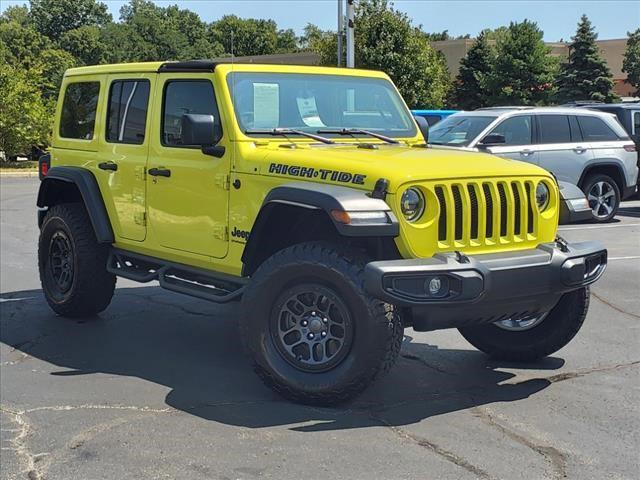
{"x": 489, "y": 202}
{"x": 442, "y": 219}
{"x": 503, "y": 210}
{"x": 457, "y": 201}
{"x": 527, "y": 188}
{"x": 474, "y": 210}
{"x": 516, "y": 196}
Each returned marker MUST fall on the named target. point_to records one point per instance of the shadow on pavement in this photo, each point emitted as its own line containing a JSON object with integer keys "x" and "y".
{"x": 193, "y": 348}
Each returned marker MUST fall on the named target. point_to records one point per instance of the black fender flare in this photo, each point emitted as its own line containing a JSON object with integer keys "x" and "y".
{"x": 326, "y": 198}
{"x": 86, "y": 183}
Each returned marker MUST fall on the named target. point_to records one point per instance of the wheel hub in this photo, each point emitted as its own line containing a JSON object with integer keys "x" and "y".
{"x": 601, "y": 199}
{"x": 520, "y": 324}
{"x": 60, "y": 261}
{"x": 311, "y": 328}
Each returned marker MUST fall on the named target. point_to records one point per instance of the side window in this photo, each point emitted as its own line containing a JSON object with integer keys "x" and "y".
{"x": 595, "y": 130}
{"x": 636, "y": 123}
{"x": 432, "y": 119}
{"x": 516, "y": 130}
{"x": 78, "y": 116}
{"x": 182, "y": 97}
{"x": 554, "y": 129}
{"x": 127, "y": 115}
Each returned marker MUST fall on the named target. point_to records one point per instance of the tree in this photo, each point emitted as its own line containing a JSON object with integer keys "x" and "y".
{"x": 585, "y": 75}
{"x": 250, "y": 36}
{"x": 388, "y": 41}
{"x": 523, "y": 71}
{"x": 55, "y": 17}
{"x": 85, "y": 44}
{"x": 18, "y": 14}
{"x": 156, "y": 33}
{"x": 631, "y": 62}
{"x": 471, "y": 89}
{"x": 25, "y": 120}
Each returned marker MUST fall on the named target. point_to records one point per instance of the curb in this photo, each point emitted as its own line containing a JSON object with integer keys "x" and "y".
{"x": 27, "y": 174}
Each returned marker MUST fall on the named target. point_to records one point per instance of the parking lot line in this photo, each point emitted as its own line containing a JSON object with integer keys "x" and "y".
{"x": 633, "y": 257}
{"x": 592, "y": 227}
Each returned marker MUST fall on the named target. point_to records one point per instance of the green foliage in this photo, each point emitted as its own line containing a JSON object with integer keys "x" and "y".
{"x": 631, "y": 62}
{"x": 157, "y": 33}
{"x": 85, "y": 44}
{"x": 523, "y": 70}
{"x": 250, "y": 36}
{"x": 585, "y": 75}
{"x": 25, "y": 120}
{"x": 471, "y": 85}
{"x": 55, "y": 17}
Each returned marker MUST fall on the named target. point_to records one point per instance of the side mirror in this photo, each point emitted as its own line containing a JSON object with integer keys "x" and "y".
{"x": 491, "y": 139}
{"x": 202, "y": 130}
{"x": 423, "y": 125}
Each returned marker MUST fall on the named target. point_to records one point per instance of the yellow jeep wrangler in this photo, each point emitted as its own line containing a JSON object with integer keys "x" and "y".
{"x": 309, "y": 195}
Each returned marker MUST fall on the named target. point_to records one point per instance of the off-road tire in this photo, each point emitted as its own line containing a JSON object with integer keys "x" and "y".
{"x": 92, "y": 285}
{"x": 554, "y": 332}
{"x": 588, "y": 184}
{"x": 378, "y": 330}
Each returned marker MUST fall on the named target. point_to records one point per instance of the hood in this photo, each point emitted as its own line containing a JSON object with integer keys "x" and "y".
{"x": 399, "y": 164}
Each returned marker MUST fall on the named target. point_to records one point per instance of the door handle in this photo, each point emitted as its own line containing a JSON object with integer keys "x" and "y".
{"x": 160, "y": 172}
{"x": 108, "y": 166}
{"x": 526, "y": 153}
{"x": 579, "y": 149}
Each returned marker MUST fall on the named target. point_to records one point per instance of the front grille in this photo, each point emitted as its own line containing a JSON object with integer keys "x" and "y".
{"x": 485, "y": 212}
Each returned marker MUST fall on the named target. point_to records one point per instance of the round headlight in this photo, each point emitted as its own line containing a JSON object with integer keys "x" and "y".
{"x": 542, "y": 196}
{"x": 412, "y": 204}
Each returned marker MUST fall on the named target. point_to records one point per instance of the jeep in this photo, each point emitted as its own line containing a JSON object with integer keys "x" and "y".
{"x": 310, "y": 196}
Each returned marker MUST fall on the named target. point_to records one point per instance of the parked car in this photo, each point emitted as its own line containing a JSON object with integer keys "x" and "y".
{"x": 584, "y": 147}
{"x": 433, "y": 116}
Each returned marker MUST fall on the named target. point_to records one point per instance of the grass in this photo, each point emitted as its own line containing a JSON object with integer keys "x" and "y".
{"x": 22, "y": 166}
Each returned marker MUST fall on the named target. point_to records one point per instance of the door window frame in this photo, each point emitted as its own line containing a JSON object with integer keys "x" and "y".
{"x": 533, "y": 127}
{"x": 108, "y": 111}
{"x": 163, "y": 105}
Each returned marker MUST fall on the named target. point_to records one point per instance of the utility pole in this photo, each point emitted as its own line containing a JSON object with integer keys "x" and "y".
{"x": 351, "y": 48}
{"x": 340, "y": 31}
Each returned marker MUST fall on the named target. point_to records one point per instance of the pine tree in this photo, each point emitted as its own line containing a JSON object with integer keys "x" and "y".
{"x": 470, "y": 91}
{"x": 585, "y": 75}
{"x": 631, "y": 64}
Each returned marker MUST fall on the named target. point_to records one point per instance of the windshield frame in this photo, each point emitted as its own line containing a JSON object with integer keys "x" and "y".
{"x": 412, "y": 133}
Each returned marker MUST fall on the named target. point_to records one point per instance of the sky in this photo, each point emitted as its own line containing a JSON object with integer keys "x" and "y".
{"x": 558, "y": 19}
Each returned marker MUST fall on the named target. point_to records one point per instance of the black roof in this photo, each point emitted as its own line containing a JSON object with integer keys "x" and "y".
{"x": 189, "y": 66}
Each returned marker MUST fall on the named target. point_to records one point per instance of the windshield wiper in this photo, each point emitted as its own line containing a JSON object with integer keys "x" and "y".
{"x": 287, "y": 131}
{"x": 356, "y": 131}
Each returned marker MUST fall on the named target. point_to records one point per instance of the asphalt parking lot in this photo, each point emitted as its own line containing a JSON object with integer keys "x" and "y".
{"x": 157, "y": 387}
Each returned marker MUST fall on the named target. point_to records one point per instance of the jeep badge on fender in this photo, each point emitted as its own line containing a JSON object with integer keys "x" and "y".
{"x": 345, "y": 229}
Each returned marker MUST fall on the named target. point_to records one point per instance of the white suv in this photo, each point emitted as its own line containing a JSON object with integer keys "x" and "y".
{"x": 583, "y": 147}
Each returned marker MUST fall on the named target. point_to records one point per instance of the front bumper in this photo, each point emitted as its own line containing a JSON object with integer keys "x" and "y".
{"x": 484, "y": 288}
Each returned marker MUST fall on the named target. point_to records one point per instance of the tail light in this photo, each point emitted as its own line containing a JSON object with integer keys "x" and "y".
{"x": 630, "y": 148}
{"x": 44, "y": 163}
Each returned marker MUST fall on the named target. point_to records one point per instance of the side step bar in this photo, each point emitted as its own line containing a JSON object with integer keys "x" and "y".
{"x": 197, "y": 282}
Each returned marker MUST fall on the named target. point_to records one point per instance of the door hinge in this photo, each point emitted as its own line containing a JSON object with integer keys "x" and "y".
{"x": 140, "y": 218}
{"x": 222, "y": 180}
{"x": 221, "y": 232}
{"x": 141, "y": 173}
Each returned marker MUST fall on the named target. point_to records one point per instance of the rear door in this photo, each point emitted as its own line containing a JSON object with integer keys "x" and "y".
{"x": 518, "y": 132}
{"x": 561, "y": 149}
{"x": 123, "y": 152}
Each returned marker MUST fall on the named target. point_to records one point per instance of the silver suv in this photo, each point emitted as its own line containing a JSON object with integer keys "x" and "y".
{"x": 583, "y": 147}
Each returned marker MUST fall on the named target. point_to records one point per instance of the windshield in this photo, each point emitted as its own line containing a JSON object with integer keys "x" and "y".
{"x": 318, "y": 102}
{"x": 458, "y": 130}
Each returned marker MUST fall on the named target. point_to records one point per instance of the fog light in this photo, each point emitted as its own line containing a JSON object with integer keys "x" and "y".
{"x": 435, "y": 284}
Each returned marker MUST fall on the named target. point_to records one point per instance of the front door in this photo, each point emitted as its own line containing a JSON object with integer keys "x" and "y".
{"x": 188, "y": 200}
{"x": 122, "y": 156}
{"x": 518, "y": 139}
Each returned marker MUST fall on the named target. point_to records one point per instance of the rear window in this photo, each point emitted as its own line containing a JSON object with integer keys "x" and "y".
{"x": 127, "y": 116}
{"x": 595, "y": 129}
{"x": 79, "y": 106}
{"x": 554, "y": 129}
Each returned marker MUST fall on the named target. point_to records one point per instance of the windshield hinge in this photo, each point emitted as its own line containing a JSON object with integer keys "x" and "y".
{"x": 222, "y": 180}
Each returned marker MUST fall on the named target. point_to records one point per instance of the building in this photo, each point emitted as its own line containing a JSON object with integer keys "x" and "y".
{"x": 612, "y": 51}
